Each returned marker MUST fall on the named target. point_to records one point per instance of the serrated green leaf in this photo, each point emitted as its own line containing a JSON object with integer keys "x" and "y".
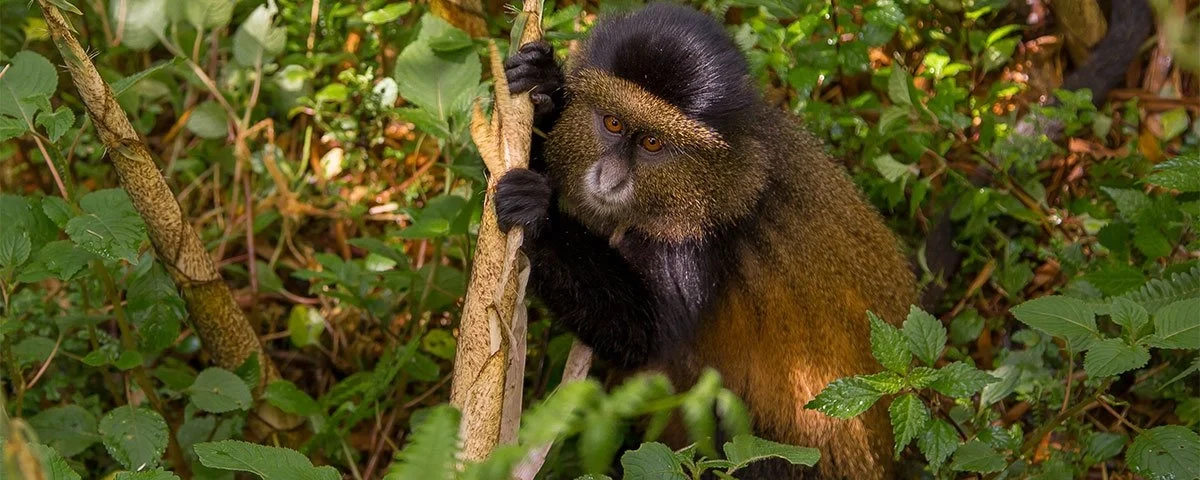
{"x": 1130, "y": 316}
{"x": 109, "y": 226}
{"x": 143, "y": 22}
{"x": 57, "y": 123}
{"x": 26, "y": 85}
{"x": 155, "y": 308}
{"x": 57, "y": 210}
{"x": 450, "y": 90}
{"x": 921, "y": 377}
{"x": 888, "y": 345}
{"x": 909, "y": 417}
{"x": 1177, "y": 325}
{"x": 440, "y": 343}
{"x": 208, "y": 120}
{"x": 926, "y": 335}
{"x": 258, "y": 38}
{"x": 746, "y": 449}
{"x": 218, "y": 390}
{"x": 1009, "y": 376}
{"x": 15, "y": 247}
{"x": 156, "y": 474}
{"x": 1058, "y": 315}
{"x": 960, "y": 380}
{"x": 70, "y": 429}
{"x": 61, "y": 259}
{"x": 979, "y": 457}
{"x": 885, "y": 382}
{"x": 1102, "y": 446}
{"x": 1165, "y": 453}
{"x": 387, "y": 14}
{"x": 898, "y": 85}
{"x": 1180, "y": 173}
{"x": 270, "y": 463}
{"x": 56, "y": 467}
{"x": 1116, "y": 279}
{"x": 285, "y": 395}
{"x": 652, "y": 461}
{"x": 845, "y": 398}
{"x": 136, "y": 437}
{"x": 1112, "y": 357}
{"x": 11, "y": 128}
{"x": 937, "y": 443}
{"x": 1131, "y": 204}
{"x": 1150, "y": 241}
{"x": 891, "y": 169}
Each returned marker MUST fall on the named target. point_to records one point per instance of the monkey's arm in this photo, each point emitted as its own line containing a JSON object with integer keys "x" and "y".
{"x": 588, "y": 286}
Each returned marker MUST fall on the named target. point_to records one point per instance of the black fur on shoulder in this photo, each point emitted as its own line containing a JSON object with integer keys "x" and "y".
{"x": 679, "y": 55}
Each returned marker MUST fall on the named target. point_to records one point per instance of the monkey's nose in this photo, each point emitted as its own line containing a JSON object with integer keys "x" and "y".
{"x": 610, "y": 176}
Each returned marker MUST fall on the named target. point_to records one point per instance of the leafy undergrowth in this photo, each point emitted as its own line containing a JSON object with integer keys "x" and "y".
{"x": 321, "y": 153}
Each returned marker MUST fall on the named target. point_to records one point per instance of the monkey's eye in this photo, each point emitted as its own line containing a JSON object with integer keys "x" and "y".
{"x": 651, "y": 143}
{"x": 612, "y": 124}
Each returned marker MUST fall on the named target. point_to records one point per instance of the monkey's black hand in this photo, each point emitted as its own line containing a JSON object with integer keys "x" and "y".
{"x": 522, "y": 199}
{"x": 533, "y": 69}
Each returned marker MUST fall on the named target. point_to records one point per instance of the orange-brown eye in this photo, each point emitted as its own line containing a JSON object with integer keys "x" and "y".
{"x": 612, "y": 124}
{"x": 651, "y": 144}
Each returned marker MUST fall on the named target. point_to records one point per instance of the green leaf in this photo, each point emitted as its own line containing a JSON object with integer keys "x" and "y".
{"x": 387, "y": 14}
{"x": 56, "y": 467}
{"x": 57, "y": 123}
{"x": 207, "y": 14}
{"x": 1174, "y": 122}
{"x": 1103, "y": 446}
{"x": 1163, "y": 453}
{"x": 745, "y": 449}
{"x": 898, "y": 86}
{"x": 431, "y": 448}
{"x": 1177, "y": 325}
{"x": 966, "y": 327}
{"x": 1150, "y": 241}
{"x": 926, "y": 335}
{"x": 1116, "y": 279}
{"x": 1112, "y": 357}
{"x": 155, "y": 308}
{"x": 960, "y": 380}
{"x": 845, "y": 398}
{"x": 156, "y": 474}
{"x": 979, "y": 457}
{"x": 218, "y": 390}
{"x": 70, "y": 429}
{"x": 136, "y": 437}
{"x": 143, "y": 22}
{"x": 909, "y": 417}
{"x": 1059, "y": 316}
{"x": 440, "y": 343}
{"x": 66, "y": 6}
{"x": 1130, "y": 316}
{"x": 123, "y": 84}
{"x": 285, "y": 395}
{"x": 258, "y": 38}
{"x": 426, "y": 228}
{"x": 57, "y": 210}
{"x": 269, "y": 463}
{"x": 11, "y": 128}
{"x": 26, "y": 86}
{"x": 885, "y": 382}
{"x": 921, "y": 377}
{"x": 652, "y": 461}
{"x": 1180, "y": 173}
{"x": 937, "y": 443}
{"x": 109, "y": 226}
{"x": 14, "y": 248}
{"x": 451, "y": 89}
{"x": 208, "y": 120}
{"x": 32, "y": 350}
{"x": 891, "y": 169}
{"x": 998, "y": 54}
{"x": 305, "y": 325}
{"x": 1131, "y": 204}
{"x": 1009, "y": 376}
{"x": 888, "y": 345}
{"x": 61, "y": 259}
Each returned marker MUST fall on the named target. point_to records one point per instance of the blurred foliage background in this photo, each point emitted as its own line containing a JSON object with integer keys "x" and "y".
{"x": 320, "y": 150}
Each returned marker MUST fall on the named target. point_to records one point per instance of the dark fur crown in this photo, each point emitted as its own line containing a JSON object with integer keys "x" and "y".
{"x": 679, "y": 55}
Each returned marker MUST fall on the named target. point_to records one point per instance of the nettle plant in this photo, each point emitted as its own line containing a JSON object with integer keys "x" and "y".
{"x": 962, "y": 434}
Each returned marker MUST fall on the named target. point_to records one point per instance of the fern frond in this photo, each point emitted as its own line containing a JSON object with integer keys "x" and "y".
{"x": 1160, "y": 291}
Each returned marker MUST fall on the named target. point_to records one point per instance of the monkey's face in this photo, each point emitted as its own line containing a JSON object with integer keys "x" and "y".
{"x": 626, "y": 159}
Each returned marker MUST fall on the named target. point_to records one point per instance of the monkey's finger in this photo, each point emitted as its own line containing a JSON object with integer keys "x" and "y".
{"x": 524, "y": 77}
{"x": 542, "y": 103}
